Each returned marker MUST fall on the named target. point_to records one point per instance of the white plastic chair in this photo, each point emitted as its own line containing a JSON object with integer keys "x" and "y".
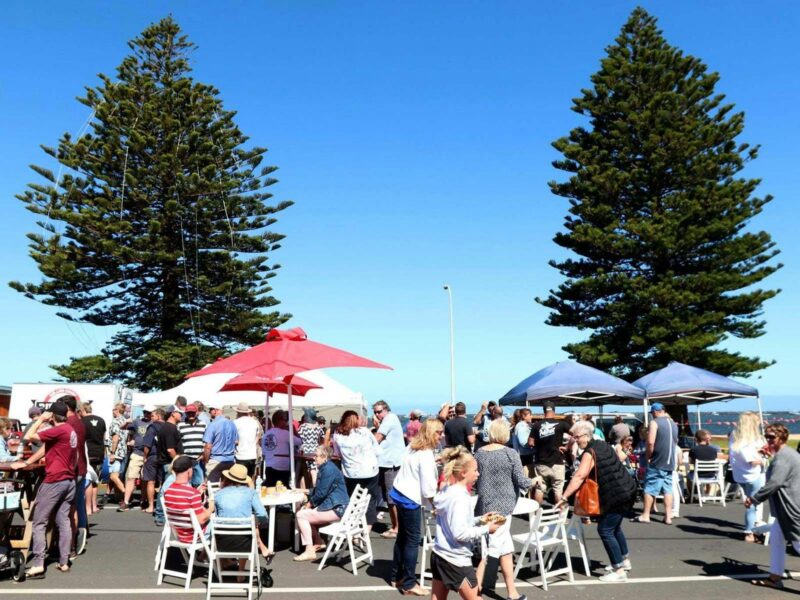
{"x": 232, "y": 528}
{"x": 428, "y": 533}
{"x": 184, "y": 520}
{"x": 711, "y": 473}
{"x": 575, "y": 532}
{"x": 212, "y": 488}
{"x": 352, "y": 527}
{"x": 547, "y": 533}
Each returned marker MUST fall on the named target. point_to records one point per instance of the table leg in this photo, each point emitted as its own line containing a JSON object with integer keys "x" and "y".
{"x": 271, "y": 544}
{"x": 296, "y": 545}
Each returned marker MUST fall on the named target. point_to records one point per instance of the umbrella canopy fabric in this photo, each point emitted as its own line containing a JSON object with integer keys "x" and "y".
{"x": 678, "y": 383}
{"x": 569, "y": 383}
{"x": 287, "y": 352}
{"x": 250, "y": 382}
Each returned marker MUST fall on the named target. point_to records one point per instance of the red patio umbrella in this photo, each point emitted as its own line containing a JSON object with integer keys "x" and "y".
{"x": 284, "y": 353}
{"x": 251, "y": 382}
{"x": 287, "y": 352}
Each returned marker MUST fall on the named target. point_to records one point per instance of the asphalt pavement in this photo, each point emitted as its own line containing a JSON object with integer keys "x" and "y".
{"x": 701, "y": 555}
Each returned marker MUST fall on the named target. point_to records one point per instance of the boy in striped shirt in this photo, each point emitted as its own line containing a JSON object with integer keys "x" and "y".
{"x": 182, "y": 497}
{"x": 192, "y": 431}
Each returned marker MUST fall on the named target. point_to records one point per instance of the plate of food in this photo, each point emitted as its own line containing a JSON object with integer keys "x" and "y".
{"x": 493, "y": 518}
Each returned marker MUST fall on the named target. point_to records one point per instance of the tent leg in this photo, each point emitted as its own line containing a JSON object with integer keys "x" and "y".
{"x": 760, "y": 414}
{"x": 645, "y": 409}
{"x": 602, "y": 427}
{"x": 291, "y": 438}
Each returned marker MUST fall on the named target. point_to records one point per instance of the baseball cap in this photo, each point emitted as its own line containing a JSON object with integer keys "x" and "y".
{"x": 655, "y": 406}
{"x": 214, "y": 403}
{"x": 310, "y": 414}
{"x": 182, "y": 463}
{"x": 172, "y": 408}
{"x": 549, "y": 406}
{"x": 34, "y": 411}
{"x": 417, "y": 412}
{"x": 59, "y": 409}
{"x": 148, "y": 408}
{"x": 191, "y": 408}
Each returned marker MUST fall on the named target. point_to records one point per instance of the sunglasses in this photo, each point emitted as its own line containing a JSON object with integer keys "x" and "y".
{"x": 770, "y": 436}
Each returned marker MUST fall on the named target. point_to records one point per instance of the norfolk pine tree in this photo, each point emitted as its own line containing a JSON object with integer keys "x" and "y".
{"x": 666, "y": 267}
{"x": 159, "y": 225}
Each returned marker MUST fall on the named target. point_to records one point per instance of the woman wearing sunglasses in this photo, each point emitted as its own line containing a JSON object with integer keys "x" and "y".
{"x": 783, "y": 491}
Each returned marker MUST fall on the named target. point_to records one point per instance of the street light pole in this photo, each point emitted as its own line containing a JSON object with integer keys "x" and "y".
{"x": 452, "y": 348}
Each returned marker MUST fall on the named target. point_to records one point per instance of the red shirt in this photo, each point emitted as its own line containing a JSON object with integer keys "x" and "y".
{"x": 178, "y": 499}
{"x": 80, "y": 431}
{"x": 60, "y": 446}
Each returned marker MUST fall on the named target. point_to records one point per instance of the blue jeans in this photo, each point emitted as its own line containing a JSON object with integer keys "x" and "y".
{"x": 406, "y": 546}
{"x": 198, "y": 474}
{"x": 80, "y": 502}
{"x": 609, "y": 528}
{"x": 749, "y": 489}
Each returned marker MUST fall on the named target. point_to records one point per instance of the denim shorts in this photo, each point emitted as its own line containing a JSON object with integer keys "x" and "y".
{"x": 657, "y": 482}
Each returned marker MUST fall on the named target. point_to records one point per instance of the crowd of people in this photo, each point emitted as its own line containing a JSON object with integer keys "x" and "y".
{"x": 469, "y": 473}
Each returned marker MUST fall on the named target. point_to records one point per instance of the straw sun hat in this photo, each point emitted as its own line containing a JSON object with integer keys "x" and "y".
{"x": 237, "y": 474}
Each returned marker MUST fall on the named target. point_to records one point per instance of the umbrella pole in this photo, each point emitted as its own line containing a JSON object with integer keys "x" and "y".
{"x": 291, "y": 438}
{"x": 266, "y": 423}
{"x": 699, "y": 421}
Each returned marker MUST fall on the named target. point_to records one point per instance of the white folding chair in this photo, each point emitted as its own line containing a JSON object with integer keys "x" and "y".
{"x": 575, "y": 532}
{"x": 186, "y": 520}
{"x": 232, "y": 529}
{"x": 212, "y": 488}
{"x": 428, "y": 534}
{"x": 351, "y": 528}
{"x": 708, "y": 473}
{"x": 547, "y": 532}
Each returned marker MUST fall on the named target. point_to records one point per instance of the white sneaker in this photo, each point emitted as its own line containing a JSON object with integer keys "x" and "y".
{"x": 626, "y": 564}
{"x": 614, "y": 577}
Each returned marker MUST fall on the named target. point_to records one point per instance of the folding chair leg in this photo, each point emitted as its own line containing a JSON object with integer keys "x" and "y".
{"x": 189, "y": 568}
{"x": 521, "y": 561}
{"x": 542, "y": 568}
{"x": 160, "y": 579}
{"x": 327, "y": 552}
{"x": 568, "y": 556}
{"x": 352, "y": 555}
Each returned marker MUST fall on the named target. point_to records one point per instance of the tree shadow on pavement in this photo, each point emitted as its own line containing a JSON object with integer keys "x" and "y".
{"x": 709, "y": 531}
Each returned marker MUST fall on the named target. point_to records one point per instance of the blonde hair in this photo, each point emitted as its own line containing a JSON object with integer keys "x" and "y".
{"x": 499, "y": 432}
{"x": 454, "y": 461}
{"x": 427, "y": 437}
{"x": 5, "y": 424}
{"x": 747, "y": 431}
{"x": 323, "y": 450}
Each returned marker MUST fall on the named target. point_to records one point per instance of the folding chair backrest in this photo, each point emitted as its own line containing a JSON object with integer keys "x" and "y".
{"x": 359, "y": 493}
{"x": 228, "y": 526}
{"x": 707, "y": 468}
{"x": 182, "y": 519}
{"x": 359, "y": 512}
{"x": 547, "y": 518}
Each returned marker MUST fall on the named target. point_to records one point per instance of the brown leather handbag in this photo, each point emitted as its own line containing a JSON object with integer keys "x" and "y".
{"x": 587, "y": 500}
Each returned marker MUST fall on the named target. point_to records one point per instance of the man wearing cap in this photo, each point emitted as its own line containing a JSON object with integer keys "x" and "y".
{"x": 80, "y": 520}
{"x": 547, "y": 437}
{"x": 249, "y": 432}
{"x": 192, "y": 431}
{"x": 33, "y": 414}
{"x": 137, "y": 430}
{"x": 275, "y": 450}
{"x": 181, "y": 497}
{"x": 56, "y": 494}
{"x": 219, "y": 450}
{"x": 168, "y": 444}
{"x": 662, "y": 440}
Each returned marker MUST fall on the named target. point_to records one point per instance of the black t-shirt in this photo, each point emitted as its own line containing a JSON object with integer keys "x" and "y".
{"x": 703, "y": 452}
{"x": 168, "y": 437}
{"x": 95, "y": 436}
{"x": 548, "y": 437}
{"x": 456, "y": 431}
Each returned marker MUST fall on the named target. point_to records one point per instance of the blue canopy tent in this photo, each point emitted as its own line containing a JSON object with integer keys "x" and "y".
{"x": 569, "y": 383}
{"x": 679, "y": 384}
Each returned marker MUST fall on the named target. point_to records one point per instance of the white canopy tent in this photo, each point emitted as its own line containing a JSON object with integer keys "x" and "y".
{"x": 332, "y": 398}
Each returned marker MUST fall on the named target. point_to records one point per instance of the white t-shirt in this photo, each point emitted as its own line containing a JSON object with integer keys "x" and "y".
{"x": 393, "y": 445}
{"x": 743, "y": 471}
{"x": 248, "y": 429}
{"x": 418, "y": 478}
{"x": 359, "y": 452}
{"x": 275, "y": 448}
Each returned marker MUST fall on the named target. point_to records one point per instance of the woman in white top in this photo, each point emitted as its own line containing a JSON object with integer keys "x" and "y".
{"x": 359, "y": 450}
{"x": 414, "y": 484}
{"x": 747, "y": 463}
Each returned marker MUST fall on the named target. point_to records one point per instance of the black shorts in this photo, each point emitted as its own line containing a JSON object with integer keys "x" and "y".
{"x": 250, "y": 465}
{"x": 151, "y": 471}
{"x": 527, "y": 459}
{"x": 452, "y": 576}
{"x": 234, "y": 543}
{"x": 97, "y": 465}
{"x": 273, "y": 476}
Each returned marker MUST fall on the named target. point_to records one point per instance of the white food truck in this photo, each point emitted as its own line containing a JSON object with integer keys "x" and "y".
{"x": 103, "y": 397}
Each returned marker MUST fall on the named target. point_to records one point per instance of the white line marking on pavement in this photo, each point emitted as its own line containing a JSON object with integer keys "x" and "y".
{"x": 19, "y": 591}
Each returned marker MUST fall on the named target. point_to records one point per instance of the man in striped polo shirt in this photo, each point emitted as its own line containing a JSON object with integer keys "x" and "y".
{"x": 192, "y": 431}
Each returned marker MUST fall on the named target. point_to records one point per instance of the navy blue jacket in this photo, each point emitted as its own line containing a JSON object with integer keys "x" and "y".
{"x": 330, "y": 491}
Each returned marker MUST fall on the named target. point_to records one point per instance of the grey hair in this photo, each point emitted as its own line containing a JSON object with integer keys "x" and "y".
{"x": 582, "y": 428}
{"x": 499, "y": 431}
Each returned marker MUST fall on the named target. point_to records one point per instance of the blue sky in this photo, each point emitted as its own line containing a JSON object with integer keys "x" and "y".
{"x": 414, "y": 138}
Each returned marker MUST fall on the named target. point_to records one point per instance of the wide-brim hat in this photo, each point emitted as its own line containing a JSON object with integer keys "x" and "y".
{"x": 243, "y": 407}
{"x": 237, "y": 474}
